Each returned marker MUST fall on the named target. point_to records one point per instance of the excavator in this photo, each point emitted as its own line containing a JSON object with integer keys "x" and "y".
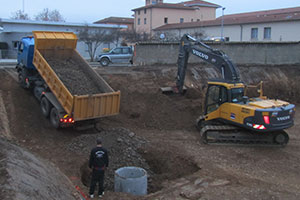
{"x": 230, "y": 116}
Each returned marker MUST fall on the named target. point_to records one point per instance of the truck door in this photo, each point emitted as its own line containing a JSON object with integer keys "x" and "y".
{"x": 127, "y": 54}
{"x": 116, "y": 55}
{"x": 21, "y": 55}
{"x": 216, "y": 97}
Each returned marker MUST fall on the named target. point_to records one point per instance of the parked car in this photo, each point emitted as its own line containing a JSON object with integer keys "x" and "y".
{"x": 122, "y": 54}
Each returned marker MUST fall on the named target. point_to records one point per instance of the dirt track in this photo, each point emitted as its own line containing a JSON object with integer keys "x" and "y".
{"x": 183, "y": 167}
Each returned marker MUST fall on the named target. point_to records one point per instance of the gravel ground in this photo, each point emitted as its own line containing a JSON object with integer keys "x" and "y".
{"x": 71, "y": 74}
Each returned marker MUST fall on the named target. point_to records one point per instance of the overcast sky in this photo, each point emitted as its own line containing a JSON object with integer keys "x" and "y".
{"x": 88, "y": 11}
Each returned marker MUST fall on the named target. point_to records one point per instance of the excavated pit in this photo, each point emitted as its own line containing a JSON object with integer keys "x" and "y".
{"x": 140, "y": 134}
{"x": 160, "y": 165}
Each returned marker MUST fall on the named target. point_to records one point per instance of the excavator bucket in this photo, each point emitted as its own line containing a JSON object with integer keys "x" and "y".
{"x": 172, "y": 90}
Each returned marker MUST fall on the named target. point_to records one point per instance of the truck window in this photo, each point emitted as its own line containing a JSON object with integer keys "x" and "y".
{"x": 117, "y": 51}
{"x": 213, "y": 96}
{"x": 21, "y": 47}
{"x": 125, "y": 51}
{"x": 237, "y": 95}
{"x": 223, "y": 95}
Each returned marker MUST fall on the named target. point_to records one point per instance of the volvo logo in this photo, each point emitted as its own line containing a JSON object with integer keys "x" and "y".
{"x": 200, "y": 54}
{"x": 283, "y": 118}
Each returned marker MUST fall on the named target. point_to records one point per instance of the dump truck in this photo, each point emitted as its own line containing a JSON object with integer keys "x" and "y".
{"x": 70, "y": 91}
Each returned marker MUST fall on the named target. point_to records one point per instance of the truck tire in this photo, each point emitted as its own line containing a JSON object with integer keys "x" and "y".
{"x": 22, "y": 78}
{"x": 45, "y": 106}
{"x": 54, "y": 118}
{"x": 104, "y": 62}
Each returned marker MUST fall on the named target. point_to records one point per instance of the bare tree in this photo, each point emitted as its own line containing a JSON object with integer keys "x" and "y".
{"x": 93, "y": 39}
{"x": 49, "y": 15}
{"x": 133, "y": 36}
{"x": 20, "y": 15}
{"x": 116, "y": 35}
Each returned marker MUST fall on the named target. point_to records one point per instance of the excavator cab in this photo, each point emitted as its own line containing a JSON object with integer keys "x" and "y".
{"x": 220, "y": 92}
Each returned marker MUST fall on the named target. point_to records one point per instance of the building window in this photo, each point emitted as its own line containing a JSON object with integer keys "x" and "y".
{"x": 198, "y": 20}
{"x": 145, "y": 20}
{"x": 166, "y": 20}
{"x": 145, "y": 11}
{"x": 267, "y": 33}
{"x": 15, "y": 44}
{"x": 139, "y": 12}
{"x": 192, "y": 20}
{"x": 181, "y": 20}
{"x": 254, "y": 33}
{"x": 139, "y": 21}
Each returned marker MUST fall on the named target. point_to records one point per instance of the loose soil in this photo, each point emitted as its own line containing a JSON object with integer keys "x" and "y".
{"x": 157, "y": 132}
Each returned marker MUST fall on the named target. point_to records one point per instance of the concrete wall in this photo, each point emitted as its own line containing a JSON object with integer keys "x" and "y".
{"x": 270, "y": 53}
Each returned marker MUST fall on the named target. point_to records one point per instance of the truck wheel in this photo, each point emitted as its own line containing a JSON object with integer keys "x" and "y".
{"x": 21, "y": 78}
{"x": 45, "y": 106}
{"x": 104, "y": 62}
{"x": 54, "y": 118}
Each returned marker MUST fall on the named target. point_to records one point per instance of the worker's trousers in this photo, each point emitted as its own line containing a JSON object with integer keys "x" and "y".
{"x": 97, "y": 177}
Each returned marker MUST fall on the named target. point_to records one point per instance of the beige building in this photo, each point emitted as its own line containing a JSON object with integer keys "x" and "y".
{"x": 269, "y": 25}
{"x": 118, "y": 21}
{"x": 155, "y": 13}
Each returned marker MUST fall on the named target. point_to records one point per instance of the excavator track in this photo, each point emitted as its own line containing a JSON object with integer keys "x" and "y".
{"x": 227, "y": 134}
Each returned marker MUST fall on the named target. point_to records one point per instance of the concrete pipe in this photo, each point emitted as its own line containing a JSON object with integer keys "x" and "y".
{"x": 132, "y": 180}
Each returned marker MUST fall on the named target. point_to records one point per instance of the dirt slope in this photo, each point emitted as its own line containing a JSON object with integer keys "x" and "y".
{"x": 24, "y": 176}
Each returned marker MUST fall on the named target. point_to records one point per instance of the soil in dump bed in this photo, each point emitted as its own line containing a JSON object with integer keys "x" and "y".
{"x": 71, "y": 74}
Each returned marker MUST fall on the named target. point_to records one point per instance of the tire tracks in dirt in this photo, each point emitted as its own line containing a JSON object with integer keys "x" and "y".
{"x": 4, "y": 122}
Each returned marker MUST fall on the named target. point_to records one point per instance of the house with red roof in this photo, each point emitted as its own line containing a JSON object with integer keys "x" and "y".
{"x": 118, "y": 21}
{"x": 268, "y": 25}
{"x": 156, "y": 13}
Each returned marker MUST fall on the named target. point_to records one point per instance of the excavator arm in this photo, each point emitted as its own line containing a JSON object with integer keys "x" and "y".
{"x": 189, "y": 45}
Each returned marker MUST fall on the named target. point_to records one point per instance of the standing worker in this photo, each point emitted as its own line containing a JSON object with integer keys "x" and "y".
{"x": 98, "y": 163}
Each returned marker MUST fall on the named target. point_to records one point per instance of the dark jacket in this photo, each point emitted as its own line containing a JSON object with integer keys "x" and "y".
{"x": 98, "y": 158}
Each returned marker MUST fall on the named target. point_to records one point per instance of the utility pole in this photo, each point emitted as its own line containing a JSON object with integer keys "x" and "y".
{"x": 23, "y": 6}
{"x": 222, "y": 23}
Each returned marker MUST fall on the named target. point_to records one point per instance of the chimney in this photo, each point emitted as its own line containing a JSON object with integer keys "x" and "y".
{"x": 148, "y": 2}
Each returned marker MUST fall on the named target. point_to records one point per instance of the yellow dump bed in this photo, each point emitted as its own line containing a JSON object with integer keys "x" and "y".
{"x": 52, "y": 53}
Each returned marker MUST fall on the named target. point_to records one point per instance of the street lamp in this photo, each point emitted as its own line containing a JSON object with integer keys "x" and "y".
{"x": 222, "y": 23}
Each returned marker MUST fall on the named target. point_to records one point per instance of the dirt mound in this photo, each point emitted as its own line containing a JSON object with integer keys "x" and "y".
{"x": 25, "y": 176}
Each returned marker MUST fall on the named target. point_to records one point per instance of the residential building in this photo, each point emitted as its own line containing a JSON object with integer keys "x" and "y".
{"x": 268, "y": 25}
{"x": 13, "y": 30}
{"x": 118, "y": 21}
{"x": 155, "y": 13}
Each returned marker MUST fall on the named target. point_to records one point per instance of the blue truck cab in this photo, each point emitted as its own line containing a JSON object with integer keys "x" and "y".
{"x": 27, "y": 73}
{"x": 25, "y": 52}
